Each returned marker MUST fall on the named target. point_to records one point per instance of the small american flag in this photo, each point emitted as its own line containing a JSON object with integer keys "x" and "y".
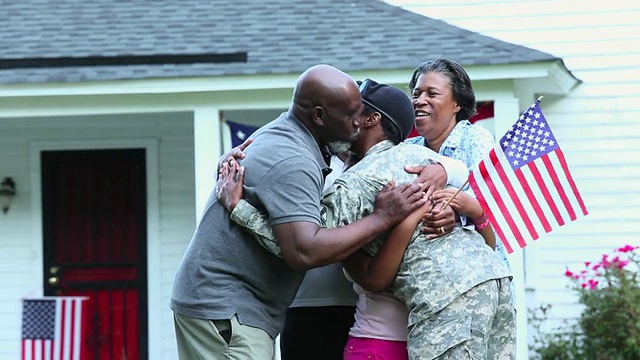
{"x": 52, "y": 328}
{"x": 524, "y": 184}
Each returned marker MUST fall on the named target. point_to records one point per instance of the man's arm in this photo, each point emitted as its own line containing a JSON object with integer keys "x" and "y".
{"x": 306, "y": 244}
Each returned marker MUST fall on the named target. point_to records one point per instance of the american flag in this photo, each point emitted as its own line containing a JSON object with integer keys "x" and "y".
{"x": 524, "y": 184}
{"x": 52, "y": 328}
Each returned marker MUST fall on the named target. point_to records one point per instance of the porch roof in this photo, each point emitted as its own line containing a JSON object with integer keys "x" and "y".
{"x": 68, "y": 41}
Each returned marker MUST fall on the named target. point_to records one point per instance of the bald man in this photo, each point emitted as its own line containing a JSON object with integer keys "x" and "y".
{"x": 230, "y": 295}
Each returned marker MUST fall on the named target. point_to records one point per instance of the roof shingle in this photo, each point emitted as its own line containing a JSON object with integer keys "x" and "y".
{"x": 280, "y": 36}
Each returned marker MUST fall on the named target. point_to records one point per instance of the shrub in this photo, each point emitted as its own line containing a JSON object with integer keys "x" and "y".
{"x": 609, "y": 325}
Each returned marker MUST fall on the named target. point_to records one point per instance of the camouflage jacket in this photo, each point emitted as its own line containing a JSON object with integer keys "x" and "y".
{"x": 433, "y": 273}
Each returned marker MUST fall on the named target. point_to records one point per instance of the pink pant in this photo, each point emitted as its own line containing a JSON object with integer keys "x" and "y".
{"x": 375, "y": 349}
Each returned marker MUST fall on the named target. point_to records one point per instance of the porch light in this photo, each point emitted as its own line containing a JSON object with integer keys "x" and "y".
{"x": 7, "y": 192}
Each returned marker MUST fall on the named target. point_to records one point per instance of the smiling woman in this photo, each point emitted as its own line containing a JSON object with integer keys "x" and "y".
{"x": 444, "y": 100}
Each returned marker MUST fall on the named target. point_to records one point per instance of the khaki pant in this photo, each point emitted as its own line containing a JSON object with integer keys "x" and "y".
{"x": 200, "y": 339}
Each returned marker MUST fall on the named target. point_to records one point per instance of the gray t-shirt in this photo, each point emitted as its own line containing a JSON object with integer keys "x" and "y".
{"x": 326, "y": 285}
{"x": 225, "y": 271}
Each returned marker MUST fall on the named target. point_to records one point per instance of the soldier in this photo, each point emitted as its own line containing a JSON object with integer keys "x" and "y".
{"x": 457, "y": 291}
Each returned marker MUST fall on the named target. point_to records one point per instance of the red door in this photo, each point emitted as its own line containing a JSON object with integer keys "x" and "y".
{"x": 94, "y": 231}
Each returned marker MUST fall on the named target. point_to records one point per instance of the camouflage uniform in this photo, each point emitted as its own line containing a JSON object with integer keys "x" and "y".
{"x": 456, "y": 289}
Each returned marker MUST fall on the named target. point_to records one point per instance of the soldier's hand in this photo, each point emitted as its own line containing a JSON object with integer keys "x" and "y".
{"x": 394, "y": 203}
{"x": 232, "y": 156}
{"x": 433, "y": 177}
{"x": 229, "y": 188}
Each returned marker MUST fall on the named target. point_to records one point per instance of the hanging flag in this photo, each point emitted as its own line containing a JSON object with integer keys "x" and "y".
{"x": 240, "y": 132}
{"x": 52, "y": 328}
{"x": 524, "y": 183}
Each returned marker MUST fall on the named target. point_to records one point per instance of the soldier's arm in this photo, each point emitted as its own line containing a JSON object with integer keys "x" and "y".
{"x": 257, "y": 224}
{"x": 229, "y": 191}
{"x": 376, "y": 273}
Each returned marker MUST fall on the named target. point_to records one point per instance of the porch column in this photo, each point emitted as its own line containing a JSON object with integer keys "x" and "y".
{"x": 506, "y": 112}
{"x": 207, "y": 147}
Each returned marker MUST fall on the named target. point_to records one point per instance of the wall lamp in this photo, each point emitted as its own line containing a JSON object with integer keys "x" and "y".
{"x": 7, "y": 192}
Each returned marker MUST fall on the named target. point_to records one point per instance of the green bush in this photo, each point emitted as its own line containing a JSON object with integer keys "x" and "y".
{"x": 609, "y": 325}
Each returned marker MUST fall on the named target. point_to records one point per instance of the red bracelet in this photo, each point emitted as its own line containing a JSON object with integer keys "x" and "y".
{"x": 483, "y": 225}
{"x": 481, "y": 220}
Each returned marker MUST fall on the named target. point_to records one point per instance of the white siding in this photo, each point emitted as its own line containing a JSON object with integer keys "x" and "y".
{"x": 20, "y": 257}
{"x": 596, "y": 124}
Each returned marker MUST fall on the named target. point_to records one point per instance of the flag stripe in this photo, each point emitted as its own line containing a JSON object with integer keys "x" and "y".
{"x": 78, "y": 327}
{"x": 507, "y": 198}
{"x": 497, "y": 162}
{"x": 62, "y": 325}
{"x": 537, "y": 194}
{"x": 572, "y": 184}
{"x": 483, "y": 202}
{"x": 518, "y": 191}
{"x": 499, "y": 201}
{"x": 501, "y": 226}
{"x": 566, "y": 186}
{"x": 545, "y": 191}
{"x": 72, "y": 324}
{"x": 556, "y": 182}
{"x": 542, "y": 218}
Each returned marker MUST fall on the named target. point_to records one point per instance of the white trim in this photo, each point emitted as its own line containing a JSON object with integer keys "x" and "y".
{"x": 206, "y": 151}
{"x": 541, "y": 69}
{"x": 153, "y": 220}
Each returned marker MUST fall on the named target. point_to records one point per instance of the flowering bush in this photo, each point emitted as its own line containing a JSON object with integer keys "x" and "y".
{"x": 609, "y": 326}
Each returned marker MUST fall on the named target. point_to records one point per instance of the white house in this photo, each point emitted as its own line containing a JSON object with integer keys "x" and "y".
{"x": 112, "y": 116}
{"x": 596, "y": 123}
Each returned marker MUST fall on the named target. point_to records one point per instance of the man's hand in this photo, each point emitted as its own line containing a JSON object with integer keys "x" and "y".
{"x": 439, "y": 221}
{"x": 433, "y": 177}
{"x": 232, "y": 156}
{"x": 393, "y": 204}
{"x": 229, "y": 188}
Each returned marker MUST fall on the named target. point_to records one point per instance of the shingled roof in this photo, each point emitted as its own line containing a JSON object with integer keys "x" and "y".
{"x": 39, "y": 39}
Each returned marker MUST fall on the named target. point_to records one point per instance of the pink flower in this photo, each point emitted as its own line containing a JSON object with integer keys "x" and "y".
{"x": 568, "y": 273}
{"x": 584, "y": 285}
{"x": 593, "y": 284}
{"x": 596, "y": 267}
{"x": 587, "y": 263}
{"x": 626, "y": 248}
{"x": 622, "y": 264}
